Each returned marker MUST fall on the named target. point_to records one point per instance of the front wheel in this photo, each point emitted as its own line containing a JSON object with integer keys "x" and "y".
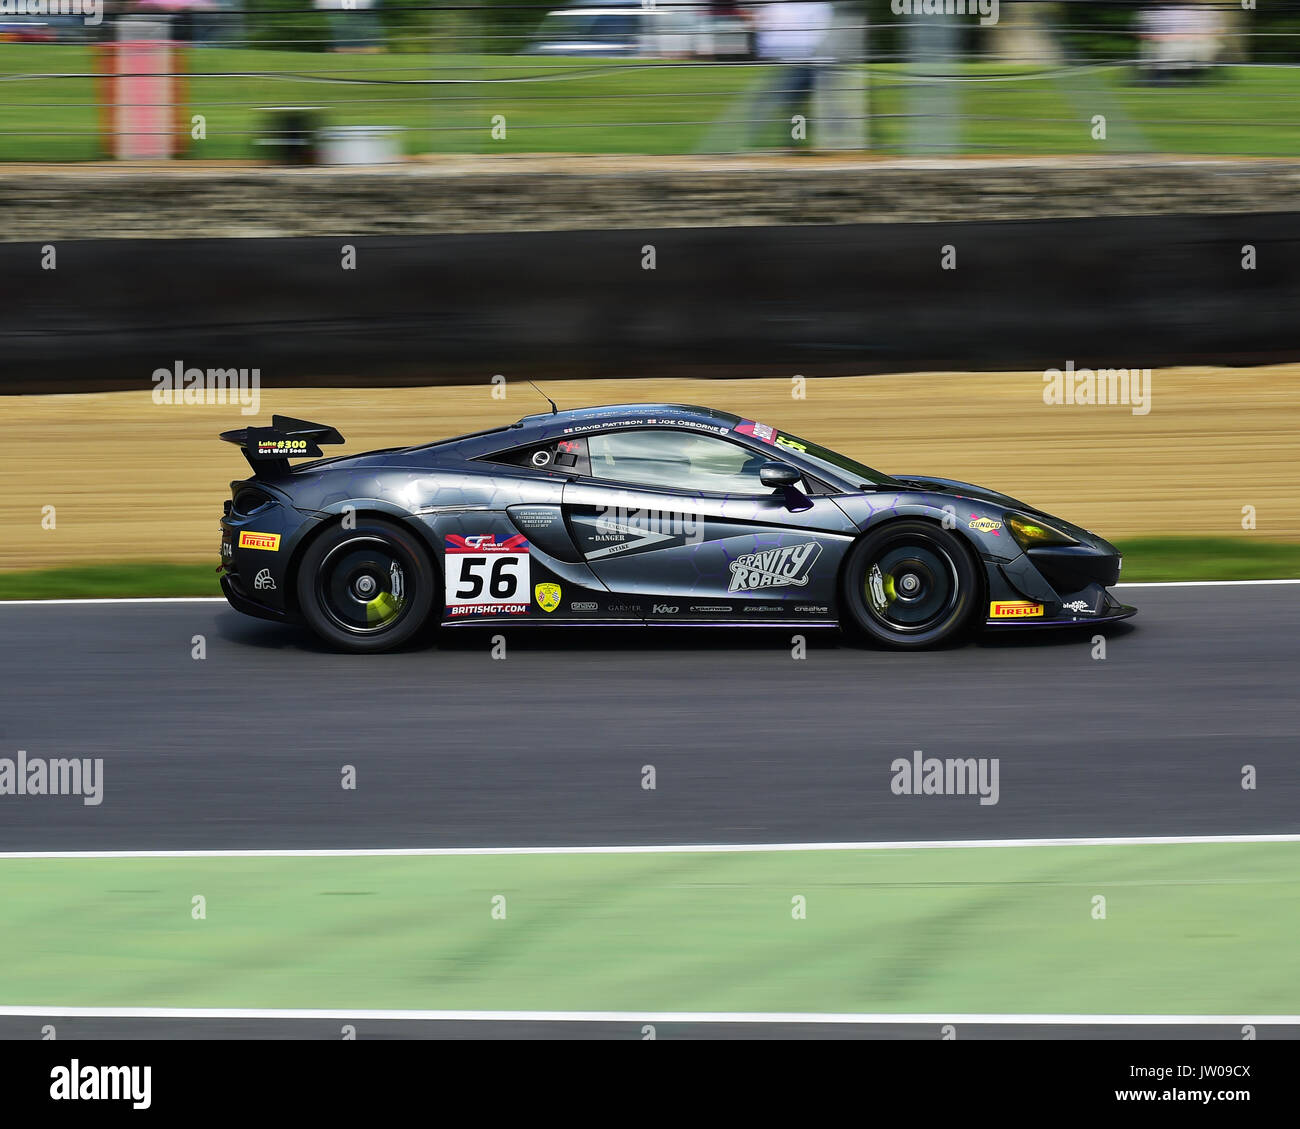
{"x": 911, "y": 584}
{"x": 366, "y": 589}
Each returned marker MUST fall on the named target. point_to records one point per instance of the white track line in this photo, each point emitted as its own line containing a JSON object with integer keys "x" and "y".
{"x": 641, "y": 1016}
{"x": 690, "y": 848}
{"x": 1199, "y": 583}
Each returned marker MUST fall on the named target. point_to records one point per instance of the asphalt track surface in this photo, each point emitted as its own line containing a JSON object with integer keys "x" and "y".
{"x": 452, "y": 748}
{"x": 243, "y": 749}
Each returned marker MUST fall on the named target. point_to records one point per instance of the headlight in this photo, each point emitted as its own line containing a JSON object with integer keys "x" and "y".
{"x": 1031, "y": 533}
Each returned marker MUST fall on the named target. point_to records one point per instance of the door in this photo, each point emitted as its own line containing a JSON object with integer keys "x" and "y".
{"x": 679, "y": 522}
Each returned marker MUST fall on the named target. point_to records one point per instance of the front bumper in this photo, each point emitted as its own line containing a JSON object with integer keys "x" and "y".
{"x": 1112, "y": 611}
{"x": 1056, "y": 587}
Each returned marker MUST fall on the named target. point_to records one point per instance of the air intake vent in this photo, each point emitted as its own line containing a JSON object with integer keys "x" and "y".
{"x": 249, "y": 501}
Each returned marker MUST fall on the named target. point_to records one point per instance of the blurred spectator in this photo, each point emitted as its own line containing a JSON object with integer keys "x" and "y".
{"x": 353, "y": 24}
{"x": 1178, "y": 41}
{"x": 792, "y": 36}
{"x": 185, "y": 25}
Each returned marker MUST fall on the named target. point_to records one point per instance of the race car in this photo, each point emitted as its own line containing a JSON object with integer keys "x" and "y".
{"x": 639, "y": 514}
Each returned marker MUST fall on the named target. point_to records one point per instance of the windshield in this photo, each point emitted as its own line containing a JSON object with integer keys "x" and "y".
{"x": 815, "y": 453}
{"x": 834, "y": 460}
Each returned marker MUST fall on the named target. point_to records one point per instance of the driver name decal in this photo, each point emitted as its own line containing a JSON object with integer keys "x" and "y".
{"x": 790, "y": 566}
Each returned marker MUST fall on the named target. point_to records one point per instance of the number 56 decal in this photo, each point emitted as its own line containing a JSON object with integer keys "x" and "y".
{"x": 487, "y": 574}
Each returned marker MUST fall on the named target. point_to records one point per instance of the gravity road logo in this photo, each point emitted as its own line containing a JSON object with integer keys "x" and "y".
{"x": 774, "y": 568}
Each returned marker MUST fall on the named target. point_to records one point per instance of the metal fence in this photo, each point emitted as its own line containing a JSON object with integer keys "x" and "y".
{"x": 362, "y": 81}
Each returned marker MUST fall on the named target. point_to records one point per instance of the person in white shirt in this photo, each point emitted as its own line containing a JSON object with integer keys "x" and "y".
{"x": 793, "y": 39}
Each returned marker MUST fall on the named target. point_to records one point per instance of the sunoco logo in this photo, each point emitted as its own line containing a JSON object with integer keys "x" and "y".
{"x": 774, "y": 568}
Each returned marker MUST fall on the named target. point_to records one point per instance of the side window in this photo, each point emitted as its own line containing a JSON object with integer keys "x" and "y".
{"x": 564, "y": 456}
{"x": 680, "y": 460}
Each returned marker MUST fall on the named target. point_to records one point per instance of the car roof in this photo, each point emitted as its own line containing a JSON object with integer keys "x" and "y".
{"x": 543, "y": 426}
{"x": 615, "y": 414}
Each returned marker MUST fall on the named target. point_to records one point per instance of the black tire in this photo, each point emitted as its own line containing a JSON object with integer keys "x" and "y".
{"x": 910, "y": 585}
{"x": 366, "y": 589}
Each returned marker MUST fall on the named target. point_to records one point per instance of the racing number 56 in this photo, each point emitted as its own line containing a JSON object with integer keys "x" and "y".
{"x": 502, "y": 578}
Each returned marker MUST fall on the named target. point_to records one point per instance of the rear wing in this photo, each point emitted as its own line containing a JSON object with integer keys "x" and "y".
{"x": 269, "y": 449}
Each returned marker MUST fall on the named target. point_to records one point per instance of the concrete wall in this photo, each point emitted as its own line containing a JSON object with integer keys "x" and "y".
{"x": 453, "y": 195}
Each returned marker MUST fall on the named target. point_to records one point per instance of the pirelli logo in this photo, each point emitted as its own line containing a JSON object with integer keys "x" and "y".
{"x": 1014, "y": 609}
{"x": 269, "y": 541}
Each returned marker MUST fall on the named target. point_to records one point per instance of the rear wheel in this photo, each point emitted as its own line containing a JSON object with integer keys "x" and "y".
{"x": 911, "y": 584}
{"x": 366, "y": 589}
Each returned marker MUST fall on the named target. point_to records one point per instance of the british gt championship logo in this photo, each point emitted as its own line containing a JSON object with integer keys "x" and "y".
{"x": 790, "y": 566}
{"x": 487, "y": 574}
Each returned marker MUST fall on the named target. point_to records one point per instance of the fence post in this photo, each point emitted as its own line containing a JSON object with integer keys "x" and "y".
{"x": 142, "y": 90}
{"x": 933, "y": 106}
{"x": 840, "y": 100}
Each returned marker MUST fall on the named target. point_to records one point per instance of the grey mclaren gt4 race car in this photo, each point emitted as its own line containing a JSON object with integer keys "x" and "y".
{"x": 638, "y": 514}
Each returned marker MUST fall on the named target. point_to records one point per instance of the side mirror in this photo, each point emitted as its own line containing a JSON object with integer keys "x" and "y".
{"x": 778, "y": 475}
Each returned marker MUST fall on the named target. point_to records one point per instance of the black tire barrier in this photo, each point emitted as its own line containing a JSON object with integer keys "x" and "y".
{"x": 720, "y": 302}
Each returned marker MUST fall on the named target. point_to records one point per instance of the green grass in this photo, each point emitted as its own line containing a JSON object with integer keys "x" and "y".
{"x": 657, "y": 110}
{"x": 627, "y": 106}
{"x": 1150, "y": 558}
{"x": 132, "y": 578}
{"x": 1020, "y": 109}
{"x": 1209, "y": 558}
{"x": 1188, "y": 929}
